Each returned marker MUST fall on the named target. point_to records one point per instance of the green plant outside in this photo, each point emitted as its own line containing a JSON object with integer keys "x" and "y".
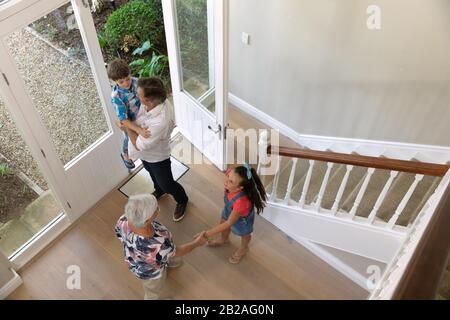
{"x": 5, "y": 170}
{"x": 136, "y": 21}
{"x": 155, "y": 66}
{"x": 101, "y": 40}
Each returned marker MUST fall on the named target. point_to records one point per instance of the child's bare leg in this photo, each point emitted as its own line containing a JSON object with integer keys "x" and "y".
{"x": 245, "y": 240}
{"x": 242, "y": 250}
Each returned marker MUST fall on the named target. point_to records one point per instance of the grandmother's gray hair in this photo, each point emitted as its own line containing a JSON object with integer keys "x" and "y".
{"x": 140, "y": 208}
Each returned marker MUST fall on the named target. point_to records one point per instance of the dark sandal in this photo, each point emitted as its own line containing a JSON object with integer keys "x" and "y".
{"x": 128, "y": 163}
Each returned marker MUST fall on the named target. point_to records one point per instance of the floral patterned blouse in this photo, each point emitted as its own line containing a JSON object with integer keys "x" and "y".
{"x": 146, "y": 256}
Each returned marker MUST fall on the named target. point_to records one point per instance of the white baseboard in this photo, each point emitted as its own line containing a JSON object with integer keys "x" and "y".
{"x": 400, "y": 150}
{"x": 10, "y": 286}
{"x": 263, "y": 117}
{"x": 340, "y": 266}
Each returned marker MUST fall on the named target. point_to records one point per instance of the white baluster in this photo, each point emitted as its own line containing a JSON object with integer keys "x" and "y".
{"x": 335, "y": 206}
{"x": 323, "y": 186}
{"x": 301, "y": 202}
{"x": 381, "y": 197}
{"x": 291, "y": 181}
{"x": 361, "y": 192}
{"x": 404, "y": 201}
{"x": 273, "y": 195}
{"x": 262, "y": 150}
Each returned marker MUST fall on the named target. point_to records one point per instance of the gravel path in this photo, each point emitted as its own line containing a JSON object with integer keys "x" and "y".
{"x": 65, "y": 96}
{"x": 14, "y": 148}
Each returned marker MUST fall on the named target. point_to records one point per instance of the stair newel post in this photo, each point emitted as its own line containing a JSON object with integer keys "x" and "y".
{"x": 291, "y": 181}
{"x": 263, "y": 143}
{"x": 323, "y": 186}
{"x": 361, "y": 192}
{"x": 381, "y": 197}
{"x": 340, "y": 192}
{"x": 273, "y": 195}
{"x": 301, "y": 202}
{"x": 404, "y": 201}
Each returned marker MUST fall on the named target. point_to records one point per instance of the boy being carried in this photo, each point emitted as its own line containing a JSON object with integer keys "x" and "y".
{"x": 126, "y": 104}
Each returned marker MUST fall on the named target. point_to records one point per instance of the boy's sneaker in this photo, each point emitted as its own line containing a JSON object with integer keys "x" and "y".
{"x": 128, "y": 163}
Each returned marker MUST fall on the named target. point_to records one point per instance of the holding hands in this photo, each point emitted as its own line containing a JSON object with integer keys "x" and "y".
{"x": 200, "y": 239}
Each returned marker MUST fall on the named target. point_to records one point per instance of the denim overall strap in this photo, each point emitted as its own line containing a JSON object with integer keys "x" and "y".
{"x": 235, "y": 198}
{"x": 229, "y": 204}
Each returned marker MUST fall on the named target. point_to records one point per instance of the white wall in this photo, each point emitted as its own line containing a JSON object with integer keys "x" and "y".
{"x": 316, "y": 67}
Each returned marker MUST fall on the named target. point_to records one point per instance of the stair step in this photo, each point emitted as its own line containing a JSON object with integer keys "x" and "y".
{"x": 318, "y": 173}
{"x": 268, "y": 179}
{"x": 301, "y": 169}
{"x": 317, "y": 176}
{"x": 354, "y": 183}
{"x": 399, "y": 189}
{"x": 333, "y": 185}
{"x": 420, "y": 196}
{"x": 371, "y": 194}
{"x": 373, "y": 191}
{"x": 283, "y": 179}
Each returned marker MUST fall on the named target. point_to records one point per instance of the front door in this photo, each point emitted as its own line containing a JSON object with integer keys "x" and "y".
{"x": 59, "y": 98}
{"x": 197, "y": 42}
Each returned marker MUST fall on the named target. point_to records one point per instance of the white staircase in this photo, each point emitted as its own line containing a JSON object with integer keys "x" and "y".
{"x": 364, "y": 212}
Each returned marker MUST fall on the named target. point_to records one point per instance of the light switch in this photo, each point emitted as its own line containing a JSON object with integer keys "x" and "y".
{"x": 245, "y": 38}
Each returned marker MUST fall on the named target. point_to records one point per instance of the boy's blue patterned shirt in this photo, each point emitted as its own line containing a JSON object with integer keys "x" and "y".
{"x": 126, "y": 102}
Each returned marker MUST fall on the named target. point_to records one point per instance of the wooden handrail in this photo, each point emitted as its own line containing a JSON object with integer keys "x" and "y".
{"x": 424, "y": 271}
{"x": 431, "y": 169}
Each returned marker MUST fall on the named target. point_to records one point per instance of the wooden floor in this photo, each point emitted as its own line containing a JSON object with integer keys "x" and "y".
{"x": 275, "y": 268}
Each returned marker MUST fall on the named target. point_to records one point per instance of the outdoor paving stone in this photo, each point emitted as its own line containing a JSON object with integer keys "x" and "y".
{"x": 40, "y": 212}
{"x": 13, "y": 234}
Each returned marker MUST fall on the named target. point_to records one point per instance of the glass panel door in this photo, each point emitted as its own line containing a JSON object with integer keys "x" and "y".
{"x": 27, "y": 204}
{"x": 57, "y": 77}
{"x": 196, "y": 45}
{"x": 55, "y": 88}
{"x": 51, "y": 58}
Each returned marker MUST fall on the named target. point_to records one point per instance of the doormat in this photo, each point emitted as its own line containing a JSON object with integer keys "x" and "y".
{"x": 141, "y": 182}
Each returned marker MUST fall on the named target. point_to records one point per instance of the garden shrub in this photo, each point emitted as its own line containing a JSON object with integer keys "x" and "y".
{"x": 133, "y": 23}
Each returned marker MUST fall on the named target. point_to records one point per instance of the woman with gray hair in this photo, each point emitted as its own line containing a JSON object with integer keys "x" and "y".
{"x": 148, "y": 245}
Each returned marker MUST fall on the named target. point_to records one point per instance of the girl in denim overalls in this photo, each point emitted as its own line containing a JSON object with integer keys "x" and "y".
{"x": 244, "y": 194}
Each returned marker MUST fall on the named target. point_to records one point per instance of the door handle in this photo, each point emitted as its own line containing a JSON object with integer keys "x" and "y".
{"x": 219, "y": 129}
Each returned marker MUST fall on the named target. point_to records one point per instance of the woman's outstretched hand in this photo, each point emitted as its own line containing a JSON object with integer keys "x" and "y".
{"x": 201, "y": 233}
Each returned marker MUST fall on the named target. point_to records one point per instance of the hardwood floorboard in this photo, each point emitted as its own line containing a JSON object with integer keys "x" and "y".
{"x": 275, "y": 268}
